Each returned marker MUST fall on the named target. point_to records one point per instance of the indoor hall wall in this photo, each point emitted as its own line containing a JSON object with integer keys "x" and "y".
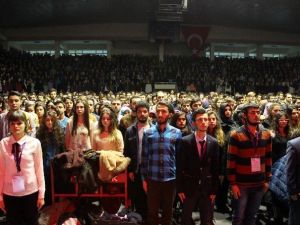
{"x": 177, "y": 49}
{"x": 134, "y": 48}
{"x": 139, "y": 31}
{"x": 105, "y": 31}
{"x": 240, "y": 35}
{"x": 148, "y": 48}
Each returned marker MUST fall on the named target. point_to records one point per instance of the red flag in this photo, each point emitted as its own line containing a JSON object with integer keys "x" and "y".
{"x": 195, "y": 38}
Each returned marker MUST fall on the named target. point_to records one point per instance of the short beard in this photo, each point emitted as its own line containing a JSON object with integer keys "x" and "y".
{"x": 161, "y": 123}
{"x": 143, "y": 121}
{"x": 253, "y": 124}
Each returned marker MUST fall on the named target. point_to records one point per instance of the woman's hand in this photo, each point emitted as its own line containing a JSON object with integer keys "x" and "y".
{"x": 114, "y": 180}
{"x": 40, "y": 203}
{"x": 2, "y": 206}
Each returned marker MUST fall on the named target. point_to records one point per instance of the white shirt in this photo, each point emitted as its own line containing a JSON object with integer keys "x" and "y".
{"x": 31, "y": 166}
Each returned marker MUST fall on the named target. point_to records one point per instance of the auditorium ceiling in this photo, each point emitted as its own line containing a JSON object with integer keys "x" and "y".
{"x": 272, "y": 15}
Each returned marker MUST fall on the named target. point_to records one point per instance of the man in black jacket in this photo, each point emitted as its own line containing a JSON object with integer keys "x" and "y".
{"x": 198, "y": 171}
{"x": 133, "y": 150}
{"x": 293, "y": 179}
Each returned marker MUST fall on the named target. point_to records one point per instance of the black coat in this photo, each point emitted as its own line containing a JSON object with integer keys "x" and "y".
{"x": 194, "y": 173}
{"x": 293, "y": 166}
{"x": 131, "y": 146}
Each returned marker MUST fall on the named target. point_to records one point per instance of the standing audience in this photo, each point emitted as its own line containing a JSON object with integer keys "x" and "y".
{"x": 293, "y": 180}
{"x": 22, "y": 184}
{"x": 249, "y": 164}
{"x": 198, "y": 171}
{"x": 133, "y": 150}
{"x": 79, "y": 128}
{"x": 51, "y": 137}
{"x": 158, "y": 166}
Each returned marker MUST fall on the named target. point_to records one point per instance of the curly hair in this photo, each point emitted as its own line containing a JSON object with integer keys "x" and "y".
{"x": 186, "y": 130}
{"x": 275, "y": 123}
{"x": 56, "y": 134}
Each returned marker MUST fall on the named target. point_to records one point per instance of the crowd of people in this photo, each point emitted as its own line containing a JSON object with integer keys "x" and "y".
{"x": 211, "y": 140}
{"x": 22, "y": 71}
{"x": 187, "y": 144}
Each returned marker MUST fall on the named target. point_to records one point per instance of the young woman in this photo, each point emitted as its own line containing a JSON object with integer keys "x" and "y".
{"x": 50, "y": 105}
{"x": 215, "y": 130}
{"x": 280, "y": 130}
{"x": 52, "y": 139}
{"x": 79, "y": 128}
{"x": 40, "y": 110}
{"x": 179, "y": 121}
{"x": 69, "y": 107}
{"x": 293, "y": 114}
{"x": 22, "y": 184}
{"x": 108, "y": 137}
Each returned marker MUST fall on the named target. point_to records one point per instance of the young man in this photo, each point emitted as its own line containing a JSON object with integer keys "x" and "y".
{"x": 249, "y": 162}
{"x": 196, "y": 104}
{"x": 116, "y": 105}
{"x": 133, "y": 150}
{"x": 158, "y": 165}
{"x": 293, "y": 179}
{"x": 128, "y": 120}
{"x": 198, "y": 171}
{"x": 14, "y": 103}
{"x": 62, "y": 119}
{"x": 53, "y": 94}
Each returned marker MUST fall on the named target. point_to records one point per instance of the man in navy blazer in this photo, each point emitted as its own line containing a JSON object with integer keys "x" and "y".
{"x": 133, "y": 149}
{"x": 198, "y": 171}
{"x": 293, "y": 179}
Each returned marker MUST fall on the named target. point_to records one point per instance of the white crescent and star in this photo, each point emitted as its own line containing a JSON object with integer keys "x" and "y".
{"x": 198, "y": 37}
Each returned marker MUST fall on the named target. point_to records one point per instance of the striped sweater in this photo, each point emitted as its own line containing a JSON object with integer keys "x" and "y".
{"x": 242, "y": 147}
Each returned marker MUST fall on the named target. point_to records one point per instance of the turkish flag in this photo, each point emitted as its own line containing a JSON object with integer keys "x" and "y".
{"x": 195, "y": 37}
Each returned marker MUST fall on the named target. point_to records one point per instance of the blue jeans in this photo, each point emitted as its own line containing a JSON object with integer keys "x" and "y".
{"x": 246, "y": 207}
{"x": 294, "y": 212}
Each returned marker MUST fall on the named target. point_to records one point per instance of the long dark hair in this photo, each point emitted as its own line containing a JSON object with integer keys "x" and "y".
{"x": 186, "y": 130}
{"x": 43, "y": 133}
{"x": 86, "y": 120}
{"x": 275, "y": 123}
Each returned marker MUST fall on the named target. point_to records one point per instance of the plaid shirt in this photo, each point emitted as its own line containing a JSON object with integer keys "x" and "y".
{"x": 159, "y": 153}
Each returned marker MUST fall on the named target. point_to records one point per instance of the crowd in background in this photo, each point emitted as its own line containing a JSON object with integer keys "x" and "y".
{"x": 84, "y": 102}
{"x": 39, "y": 73}
{"x": 279, "y": 114}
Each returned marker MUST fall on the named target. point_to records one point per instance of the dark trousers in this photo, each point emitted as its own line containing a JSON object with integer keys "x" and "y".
{"x": 222, "y": 195}
{"x": 138, "y": 195}
{"x": 48, "y": 194}
{"x": 205, "y": 208}
{"x": 160, "y": 196}
{"x": 21, "y": 210}
{"x": 294, "y": 212}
